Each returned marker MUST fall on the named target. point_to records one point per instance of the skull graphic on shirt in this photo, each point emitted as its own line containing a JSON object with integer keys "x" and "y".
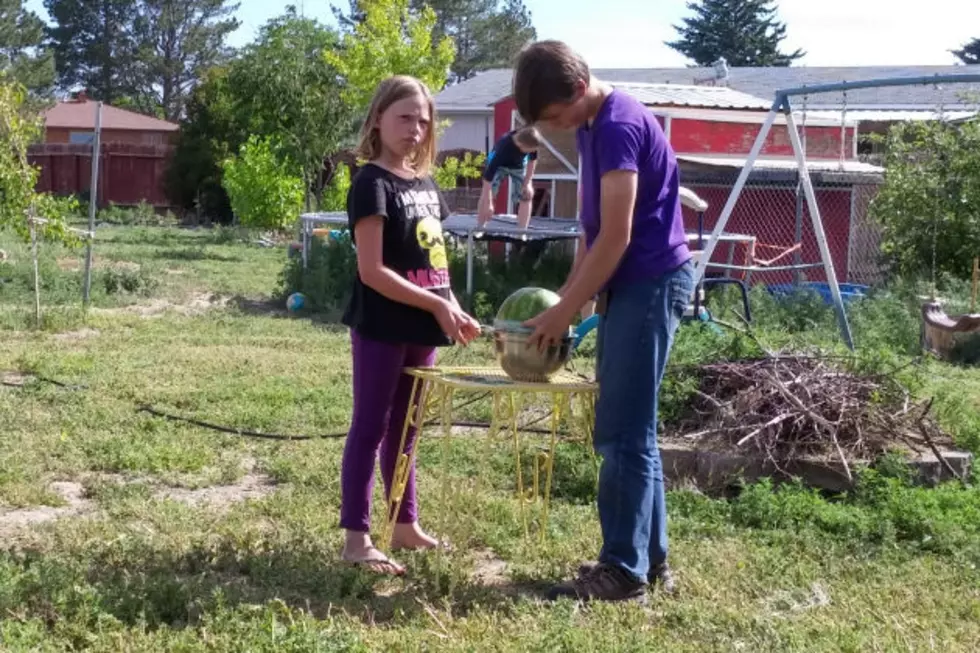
{"x": 428, "y": 231}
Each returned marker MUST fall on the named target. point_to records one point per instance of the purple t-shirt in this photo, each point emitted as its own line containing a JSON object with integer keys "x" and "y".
{"x": 625, "y": 135}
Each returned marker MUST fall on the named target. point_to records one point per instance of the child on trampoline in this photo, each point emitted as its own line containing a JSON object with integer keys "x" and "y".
{"x": 637, "y": 261}
{"x": 513, "y": 158}
{"x": 401, "y": 307}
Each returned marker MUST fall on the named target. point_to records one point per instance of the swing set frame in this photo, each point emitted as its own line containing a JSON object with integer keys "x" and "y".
{"x": 782, "y": 104}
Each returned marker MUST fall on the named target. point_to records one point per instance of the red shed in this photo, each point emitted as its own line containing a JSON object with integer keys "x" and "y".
{"x": 712, "y": 129}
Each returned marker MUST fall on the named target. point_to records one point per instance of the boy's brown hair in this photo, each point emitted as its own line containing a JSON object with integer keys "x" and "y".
{"x": 528, "y": 137}
{"x": 391, "y": 90}
{"x": 545, "y": 73}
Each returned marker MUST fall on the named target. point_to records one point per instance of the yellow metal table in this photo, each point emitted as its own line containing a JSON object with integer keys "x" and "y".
{"x": 433, "y": 391}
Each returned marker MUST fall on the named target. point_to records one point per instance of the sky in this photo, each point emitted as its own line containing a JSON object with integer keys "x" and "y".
{"x": 630, "y": 33}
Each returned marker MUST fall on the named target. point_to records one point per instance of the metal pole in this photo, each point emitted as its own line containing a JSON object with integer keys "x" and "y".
{"x": 811, "y": 198}
{"x": 743, "y": 177}
{"x": 93, "y": 202}
{"x": 37, "y": 273}
{"x": 469, "y": 270}
{"x": 880, "y": 83}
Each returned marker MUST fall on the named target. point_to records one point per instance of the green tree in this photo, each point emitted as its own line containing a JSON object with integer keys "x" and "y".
{"x": 392, "y": 38}
{"x": 23, "y": 57}
{"x": 487, "y": 33}
{"x": 177, "y": 41}
{"x": 744, "y": 32}
{"x": 95, "y": 45}
{"x": 214, "y": 128}
{"x": 927, "y": 207}
{"x": 287, "y": 83}
{"x": 265, "y": 192}
{"x": 969, "y": 53}
{"x": 19, "y": 129}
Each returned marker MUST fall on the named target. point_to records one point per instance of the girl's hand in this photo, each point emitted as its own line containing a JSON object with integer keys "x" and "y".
{"x": 455, "y": 323}
{"x": 470, "y": 329}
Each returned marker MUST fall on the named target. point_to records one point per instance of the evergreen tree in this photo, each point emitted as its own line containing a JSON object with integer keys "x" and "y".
{"x": 95, "y": 46}
{"x": 744, "y": 32}
{"x": 969, "y": 53}
{"x": 178, "y": 40}
{"x": 23, "y": 57}
{"x": 487, "y": 33}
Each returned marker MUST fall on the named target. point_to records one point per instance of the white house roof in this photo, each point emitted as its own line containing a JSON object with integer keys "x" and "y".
{"x": 705, "y": 97}
{"x": 488, "y": 87}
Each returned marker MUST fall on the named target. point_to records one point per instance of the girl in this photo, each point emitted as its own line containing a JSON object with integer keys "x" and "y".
{"x": 401, "y": 307}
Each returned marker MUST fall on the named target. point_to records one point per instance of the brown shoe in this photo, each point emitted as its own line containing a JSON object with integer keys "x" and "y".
{"x": 661, "y": 574}
{"x": 602, "y": 583}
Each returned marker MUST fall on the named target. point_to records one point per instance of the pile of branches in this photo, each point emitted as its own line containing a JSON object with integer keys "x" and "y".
{"x": 793, "y": 406}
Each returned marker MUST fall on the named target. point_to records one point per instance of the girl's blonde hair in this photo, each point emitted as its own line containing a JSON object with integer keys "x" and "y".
{"x": 391, "y": 90}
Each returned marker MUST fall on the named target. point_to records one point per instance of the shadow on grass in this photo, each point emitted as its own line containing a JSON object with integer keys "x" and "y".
{"x": 158, "y": 589}
{"x": 193, "y": 254}
{"x": 275, "y": 307}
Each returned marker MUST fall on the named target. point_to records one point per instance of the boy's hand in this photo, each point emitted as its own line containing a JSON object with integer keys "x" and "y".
{"x": 550, "y": 326}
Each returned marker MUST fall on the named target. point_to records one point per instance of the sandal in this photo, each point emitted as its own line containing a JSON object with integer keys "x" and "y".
{"x": 379, "y": 563}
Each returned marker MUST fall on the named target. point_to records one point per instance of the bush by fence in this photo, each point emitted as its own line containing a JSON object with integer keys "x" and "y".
{"x": 332, "y": 264}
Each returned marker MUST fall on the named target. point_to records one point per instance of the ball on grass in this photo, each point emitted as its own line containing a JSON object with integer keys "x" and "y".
{"x": 295, "y": 302}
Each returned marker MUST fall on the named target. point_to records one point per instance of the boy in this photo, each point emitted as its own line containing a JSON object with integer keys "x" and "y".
{"x": 513, "y": 157}
{"x": 634, "y": 256}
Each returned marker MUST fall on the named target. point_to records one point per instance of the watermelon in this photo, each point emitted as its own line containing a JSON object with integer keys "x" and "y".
{"x": 522, "y": 305}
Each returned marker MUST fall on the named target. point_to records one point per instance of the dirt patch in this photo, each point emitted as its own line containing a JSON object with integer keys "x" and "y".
{"x": 74, "y": 336}
{"x": 13, "y": 521}
{"x": 14, "y": 379}
{"x": 219, "y": 497}
{"x": 198, "y": 304}
{"x": 251, "y": 486}
{"x": 98, "y": 263}
{"x": 488, "y": 569}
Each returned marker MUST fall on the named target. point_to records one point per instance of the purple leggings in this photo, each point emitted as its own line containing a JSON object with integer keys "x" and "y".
{"x": 381, "y": 396}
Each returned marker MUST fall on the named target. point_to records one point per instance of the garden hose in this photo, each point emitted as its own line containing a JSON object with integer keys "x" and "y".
{"x": 150, "y": 410}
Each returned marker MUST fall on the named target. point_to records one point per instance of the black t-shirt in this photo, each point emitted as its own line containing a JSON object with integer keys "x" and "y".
{"x": 412, "y": 246}
{"x": 506, "y": 154}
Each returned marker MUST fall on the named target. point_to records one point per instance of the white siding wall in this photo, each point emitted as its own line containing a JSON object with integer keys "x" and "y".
{"x": 468, "y": 130}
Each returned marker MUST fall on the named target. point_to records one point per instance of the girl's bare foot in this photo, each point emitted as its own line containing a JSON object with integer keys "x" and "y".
{"x": 413, "y": 538}
{"x": 361, "y": 552}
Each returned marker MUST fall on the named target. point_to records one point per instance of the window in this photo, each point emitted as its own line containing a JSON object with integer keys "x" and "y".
{"x": 81, "y": 138}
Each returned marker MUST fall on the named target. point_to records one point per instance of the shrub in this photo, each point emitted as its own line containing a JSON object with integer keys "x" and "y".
{"x": 264, "y": 192}
{"x": 928, "y": 203}
{"x": 335, "y": 194}
{"x": 142, "y": 215}
{"x": 332, "y": 265}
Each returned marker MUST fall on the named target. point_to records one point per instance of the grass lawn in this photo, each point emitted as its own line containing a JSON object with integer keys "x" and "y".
{"x": 121, "y": 531}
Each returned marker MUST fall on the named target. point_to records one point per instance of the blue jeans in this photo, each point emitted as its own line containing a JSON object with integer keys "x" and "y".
{"x": 634, "y": 340}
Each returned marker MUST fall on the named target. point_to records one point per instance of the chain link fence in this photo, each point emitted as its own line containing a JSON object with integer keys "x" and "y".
{"x": 771, "y": 233}
{"x": 770, "y": 229}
